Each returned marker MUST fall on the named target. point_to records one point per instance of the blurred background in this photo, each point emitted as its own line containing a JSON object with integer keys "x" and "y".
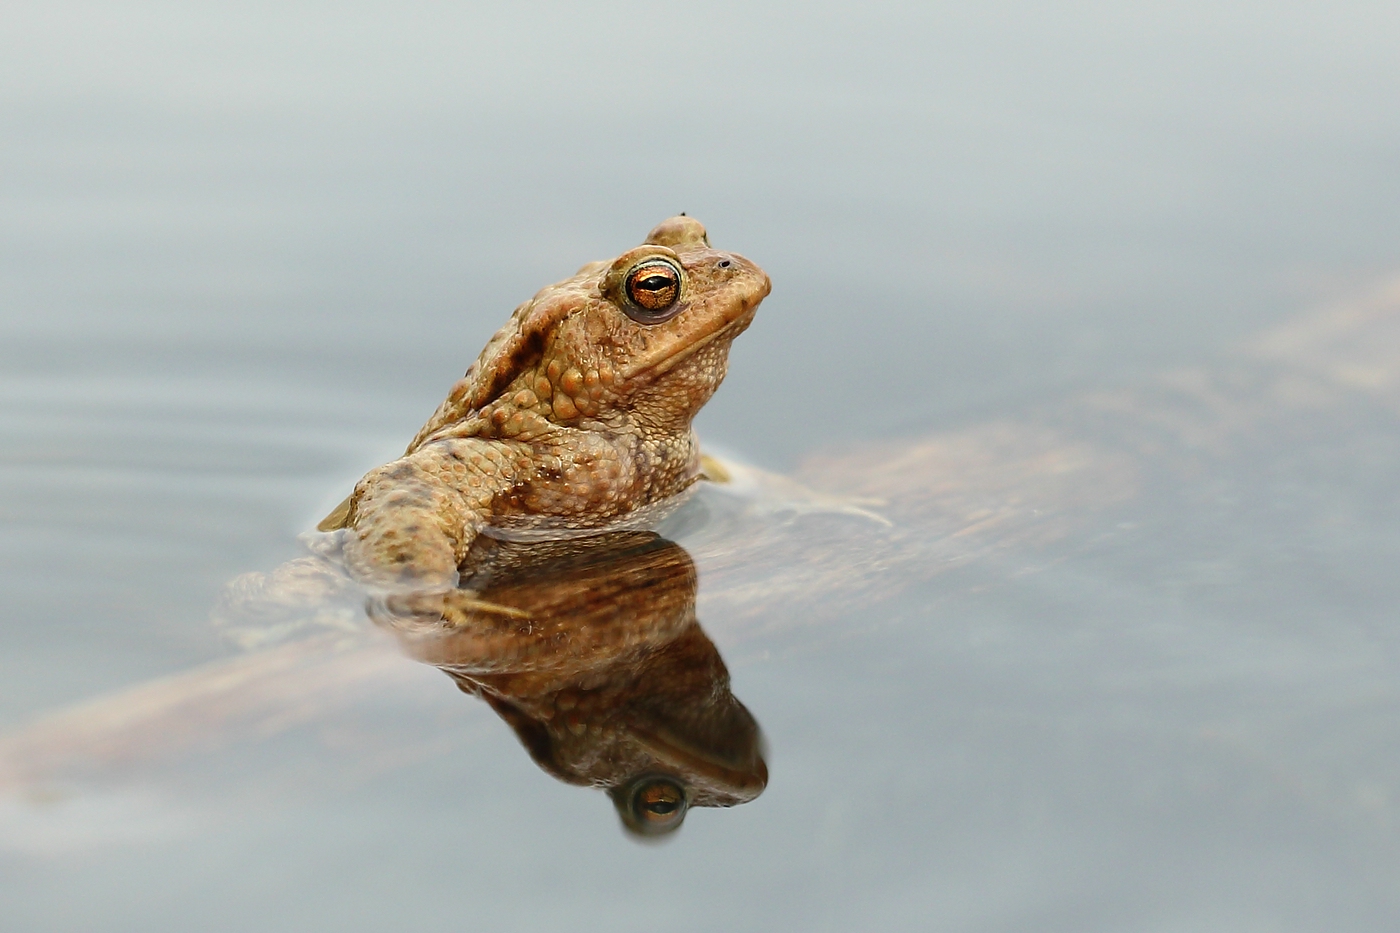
{"x": 244, "y": 249}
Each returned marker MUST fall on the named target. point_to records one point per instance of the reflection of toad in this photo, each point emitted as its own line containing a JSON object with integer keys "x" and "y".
{"x": 576, "y": 415}
{"x": 591, "y": 651}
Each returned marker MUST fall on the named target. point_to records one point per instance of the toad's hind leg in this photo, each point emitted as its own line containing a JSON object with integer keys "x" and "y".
{"x": 411, "y": 521}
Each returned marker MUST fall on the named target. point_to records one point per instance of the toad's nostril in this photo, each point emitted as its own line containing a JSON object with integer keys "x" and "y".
{"x": 724, "y": 263}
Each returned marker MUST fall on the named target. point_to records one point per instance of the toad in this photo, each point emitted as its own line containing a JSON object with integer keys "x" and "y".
{"x": 576, "y": 417}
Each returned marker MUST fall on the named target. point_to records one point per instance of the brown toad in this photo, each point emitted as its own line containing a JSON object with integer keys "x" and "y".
{"x": 576, "y": 415}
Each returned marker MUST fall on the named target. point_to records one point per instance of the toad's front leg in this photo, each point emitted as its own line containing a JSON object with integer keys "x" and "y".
{"x": 410, "y": 522}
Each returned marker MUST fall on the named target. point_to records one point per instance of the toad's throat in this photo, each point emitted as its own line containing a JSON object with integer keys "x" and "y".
{"x": 662, "y": 363}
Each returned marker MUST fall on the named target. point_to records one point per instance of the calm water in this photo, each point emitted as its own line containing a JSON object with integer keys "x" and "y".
{"x": 243, "y": 254}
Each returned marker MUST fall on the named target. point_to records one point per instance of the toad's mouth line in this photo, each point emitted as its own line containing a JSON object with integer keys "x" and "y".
{"x": 667, "y": 363}
{"x": 745, "y": 784}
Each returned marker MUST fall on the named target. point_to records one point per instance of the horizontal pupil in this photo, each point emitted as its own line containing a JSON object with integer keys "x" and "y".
{"x": 654, "y": 283}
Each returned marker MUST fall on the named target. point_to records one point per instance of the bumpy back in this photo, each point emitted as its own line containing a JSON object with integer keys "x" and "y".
{"x": 516, "y": 347}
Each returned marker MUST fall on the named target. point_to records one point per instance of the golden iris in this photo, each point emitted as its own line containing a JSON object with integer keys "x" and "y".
{"x": 653, "y": 288}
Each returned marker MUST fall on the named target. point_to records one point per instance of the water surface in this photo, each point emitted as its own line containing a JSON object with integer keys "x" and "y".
{"x": 243, "y": 255}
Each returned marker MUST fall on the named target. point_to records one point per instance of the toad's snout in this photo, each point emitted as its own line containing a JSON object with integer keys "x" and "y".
{"x": 754, "y": 284}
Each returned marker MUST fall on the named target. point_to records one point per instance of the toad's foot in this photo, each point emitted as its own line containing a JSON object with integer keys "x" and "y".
{"x": 769, "y": 492}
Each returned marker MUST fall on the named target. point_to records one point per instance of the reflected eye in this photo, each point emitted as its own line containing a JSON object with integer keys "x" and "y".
{"x": 659, "y": 801}
{"x": 653, "y": 805}
{"x": 656, "y": 806}
{"x": 653, "y": 291}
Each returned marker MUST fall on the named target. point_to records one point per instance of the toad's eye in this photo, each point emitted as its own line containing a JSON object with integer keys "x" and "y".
{"x": 653, "y": 291}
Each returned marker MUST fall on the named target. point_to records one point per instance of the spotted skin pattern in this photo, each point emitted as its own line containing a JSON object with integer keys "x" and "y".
{"x": 577, "y": 413}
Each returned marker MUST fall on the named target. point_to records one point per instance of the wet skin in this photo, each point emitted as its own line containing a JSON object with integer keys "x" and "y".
{"x": 576, "y": 415}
